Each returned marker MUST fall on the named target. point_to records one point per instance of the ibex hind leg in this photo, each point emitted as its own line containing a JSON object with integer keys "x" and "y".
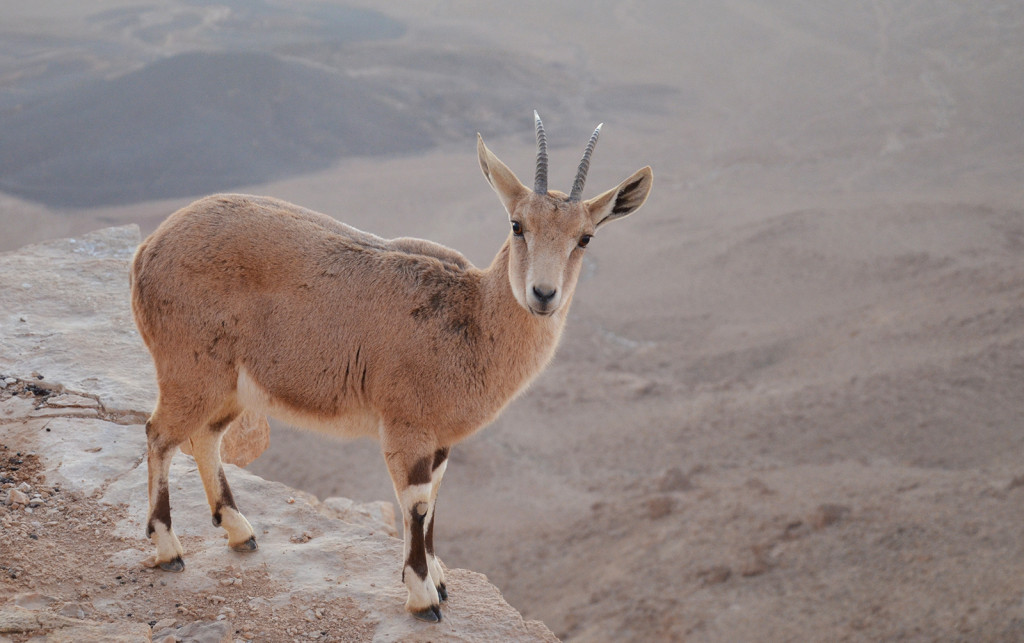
{"x": 184, "y": 408}
{"x": 206, "y": 450}
{"x": 160, "y": 450}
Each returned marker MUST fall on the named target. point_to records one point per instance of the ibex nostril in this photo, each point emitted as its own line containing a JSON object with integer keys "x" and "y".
{"x": 544, "y": 295}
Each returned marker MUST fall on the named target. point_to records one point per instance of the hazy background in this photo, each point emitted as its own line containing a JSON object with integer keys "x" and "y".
{"x": 789, "y": 400}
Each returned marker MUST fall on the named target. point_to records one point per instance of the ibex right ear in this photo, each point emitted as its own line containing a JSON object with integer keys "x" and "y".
{"x": 622, "y": 200}
{"x": 510, "y": 190}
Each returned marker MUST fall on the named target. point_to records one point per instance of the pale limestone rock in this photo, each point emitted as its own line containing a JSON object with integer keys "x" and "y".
{"x": 71, "y": 322}
{"x": 78, "y": 327}
{"x": 376, "y": 515}
{"x": 32, "y": 600}
{"x": 18, "y": 620}
{"x": 72, "y": 401}
{"x": 106, "y": 632}
{"x": 199, "y": 632}
{"x": 17, "y": 497}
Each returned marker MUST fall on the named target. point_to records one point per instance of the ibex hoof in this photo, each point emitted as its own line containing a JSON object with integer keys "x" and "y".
{"x": 442, "y": 592}
{"x": 176, "y": 564}
{"x": 431, "y": 615}
{"x": 247, "y": 546}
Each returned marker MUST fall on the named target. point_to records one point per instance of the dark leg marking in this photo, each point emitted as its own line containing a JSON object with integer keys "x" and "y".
{"x": 161, "y": 512}
{"x": 225, "y": 498}
{"x": 417, "y": 560}
{"x": 420, "y": 472}
{"x": 428, "y": 542}
{"x": 221, "y": 424}
{"x": 439, "y": 457}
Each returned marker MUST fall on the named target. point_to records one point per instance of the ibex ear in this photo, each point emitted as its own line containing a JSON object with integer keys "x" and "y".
{"x": 510, "y": 190}
{"x": 622, "y": 200}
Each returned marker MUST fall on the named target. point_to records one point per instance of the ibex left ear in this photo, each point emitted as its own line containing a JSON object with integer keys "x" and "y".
{"x": 622, "y": 200}
{"x": 509, "y": 188}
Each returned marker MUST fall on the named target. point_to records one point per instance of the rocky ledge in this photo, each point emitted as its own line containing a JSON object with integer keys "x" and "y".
{"x": 75, "y": 386}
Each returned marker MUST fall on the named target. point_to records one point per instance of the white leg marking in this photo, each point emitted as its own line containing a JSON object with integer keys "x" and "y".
{"x": 238, "y": 528}
{"x": 168, "y": 547}
{"x": 422, "y": 593}
{"x": 433, "y": 564}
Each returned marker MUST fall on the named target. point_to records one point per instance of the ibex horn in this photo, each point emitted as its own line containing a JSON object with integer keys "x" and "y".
{"x": 581, "y": 174}
{"x": 540, "y": 181}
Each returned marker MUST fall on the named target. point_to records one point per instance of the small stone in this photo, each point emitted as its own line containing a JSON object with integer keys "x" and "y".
{"x": 25, "y": 487}
{"x": 217, "y": 599}
{"x": 714, "y": 575}
{"x": 659, "y": 506}
{"x": 225, "y": 582}
{"x": 759, "y": 561}
{"x": 163, "y": 624}
{"x": 68, "y": 400}
{"x": 33, "y": 600}
{"x": 72, "y": 610}
{"x": 827, "y": 515}
{"x": 674, "y": 480}
{"x": 16, "y": 497}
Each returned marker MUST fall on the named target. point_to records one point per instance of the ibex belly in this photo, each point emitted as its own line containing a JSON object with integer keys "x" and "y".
{"x": 349, "y": 421}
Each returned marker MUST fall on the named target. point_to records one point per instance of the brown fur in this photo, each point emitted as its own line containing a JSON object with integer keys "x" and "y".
{"x": 345, "y": 331}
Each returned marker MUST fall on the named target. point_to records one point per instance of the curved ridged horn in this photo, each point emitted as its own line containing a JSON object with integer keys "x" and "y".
{"x": 581, "y": 174}
{"x": 540, "y": 180}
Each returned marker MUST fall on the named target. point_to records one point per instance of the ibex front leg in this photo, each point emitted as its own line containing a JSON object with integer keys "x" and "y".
{"x": 433, "y": 563}
{"x": 412, "y": 471}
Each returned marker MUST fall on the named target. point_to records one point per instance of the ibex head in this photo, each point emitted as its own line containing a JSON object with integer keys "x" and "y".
{"x": 549, "y": 229}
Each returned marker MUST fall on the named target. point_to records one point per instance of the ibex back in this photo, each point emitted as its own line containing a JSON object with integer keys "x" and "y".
{"x": 253, "y": 303}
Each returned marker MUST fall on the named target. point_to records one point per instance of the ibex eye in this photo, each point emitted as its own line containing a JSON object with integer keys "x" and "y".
{"x": 517, "y": 228}
{"x": 584, "y": 240}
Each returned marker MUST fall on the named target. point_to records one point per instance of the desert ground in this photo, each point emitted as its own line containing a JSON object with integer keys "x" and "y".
{"x": 789, "y": 403}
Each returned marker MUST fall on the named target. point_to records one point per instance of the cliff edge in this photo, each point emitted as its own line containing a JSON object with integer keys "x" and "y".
{"x": 76, "y": 384}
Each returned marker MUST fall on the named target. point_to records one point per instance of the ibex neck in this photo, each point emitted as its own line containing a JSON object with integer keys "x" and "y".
{"x": 524, "y": 341}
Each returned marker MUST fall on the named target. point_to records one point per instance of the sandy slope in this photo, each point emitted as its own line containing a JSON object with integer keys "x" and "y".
{"x": 788, "y": 404}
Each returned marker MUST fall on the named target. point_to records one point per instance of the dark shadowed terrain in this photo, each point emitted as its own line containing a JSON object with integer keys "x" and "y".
{"x": 789, "y": 401}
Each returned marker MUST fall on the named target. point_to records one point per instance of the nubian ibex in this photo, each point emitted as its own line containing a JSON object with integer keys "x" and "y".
{"x": 253, "y": 303}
